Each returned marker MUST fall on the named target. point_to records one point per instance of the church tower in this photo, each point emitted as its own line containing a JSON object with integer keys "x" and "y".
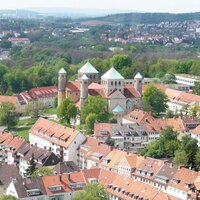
{"x": 84, "y": 88}
{"x": 61, "y": 86}
{"x": 138, "y": 82}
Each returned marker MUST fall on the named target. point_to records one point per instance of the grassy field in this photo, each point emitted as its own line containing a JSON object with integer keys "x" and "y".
{"x": 23, "y": 126}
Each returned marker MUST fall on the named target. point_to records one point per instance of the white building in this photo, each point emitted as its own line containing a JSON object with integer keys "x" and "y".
{"x": 61, "y": 140}
{"x": 187, "y": 79}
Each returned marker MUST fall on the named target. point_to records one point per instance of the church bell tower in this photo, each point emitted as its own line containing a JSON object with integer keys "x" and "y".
{"x": 61, "y": 86}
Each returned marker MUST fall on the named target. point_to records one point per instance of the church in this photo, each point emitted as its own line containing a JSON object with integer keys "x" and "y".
{"x": 121, "y": 97}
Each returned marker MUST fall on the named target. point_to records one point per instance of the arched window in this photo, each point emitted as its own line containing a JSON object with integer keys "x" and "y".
{"x": 115, "y": 83}
{"x": 119, "y": 82}
{"x": 111, "y": 82}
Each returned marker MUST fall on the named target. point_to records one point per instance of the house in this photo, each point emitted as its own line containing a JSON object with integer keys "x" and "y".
{"x": 27, "y": 189}
{"x": 147, "y": 170}
{"x": 15, "y": 100}
{"x": 62, "y": 141}
{"x": 125, "y": 136}
{"x": 195, "y": 133}
{"x": 92, "y": 152}
{"x": 19, "y": 41}
{"x": 187, "y": 79}
{"x": 112, "y": 160}
{"x": 182, "y": 184}
{"x": 9, "y": 146}
{"x": 137, "y": 116}
{"x": 66, "y": 167}
{"x": 8, "y": 173}
{"x": 42, "y": 157}
{"x": 180, "y": 101}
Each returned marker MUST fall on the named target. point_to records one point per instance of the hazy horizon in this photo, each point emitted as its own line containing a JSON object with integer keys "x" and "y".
{"x": 171, "y": 6}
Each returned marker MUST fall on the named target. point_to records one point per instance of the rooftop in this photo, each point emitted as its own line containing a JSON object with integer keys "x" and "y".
{"x": 112, "y": 74}
{"x": 88, "y": 68}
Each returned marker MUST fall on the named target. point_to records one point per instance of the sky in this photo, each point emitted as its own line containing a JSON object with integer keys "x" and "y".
{"x": 173, "y": 6}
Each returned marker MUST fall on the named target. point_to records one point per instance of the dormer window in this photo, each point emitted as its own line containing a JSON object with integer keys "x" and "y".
{"x": 175, "y": 180}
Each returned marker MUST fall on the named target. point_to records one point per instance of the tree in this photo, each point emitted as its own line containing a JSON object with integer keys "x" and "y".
{"x": 89, "y": 122}
{"x": 43, "y": 171}
{"x": 55, "y": 102}
{"x": 35, "y": 108}
{"x": 169, "y": 78}
{"x": 32, "y": 166}
{"x": 95, "y": 105}
{"x": 156, "y": 99}
{"x": 196, "y": 88}
{"x": 91, "y": 192}
{"x": 8, "y": 114}
{"x": 67, "y": 111}
{"x": 197, "y": 159}
{"x": 8, "y": 197}
{"x": 190, "y": 146}
{"x": 181, "y": 158}
{"x": 194, "y": 111}
{"x": 110, "y": 142}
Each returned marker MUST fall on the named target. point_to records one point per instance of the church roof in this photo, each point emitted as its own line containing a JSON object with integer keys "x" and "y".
{"x": 138, "y": 76}
{"x": 112, "y": 74}
{"x": 84, "y": 77}
{"x": 118, "y": 109}
{"x": 62, "y": 71}
{"x": 88, "y": 68}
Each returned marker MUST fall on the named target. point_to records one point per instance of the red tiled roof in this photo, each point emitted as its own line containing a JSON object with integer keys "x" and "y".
{"x": 184, "y": 176}
{"x": 92, "y": 146}
{"x": 53, "y": 132}
{"x": 12, "y": 141}
{"x": 11, "y": 99}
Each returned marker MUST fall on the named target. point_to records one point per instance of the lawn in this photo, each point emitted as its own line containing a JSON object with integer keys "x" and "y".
{"x": 23, "y": 126}
{"x": 51, "y": 111}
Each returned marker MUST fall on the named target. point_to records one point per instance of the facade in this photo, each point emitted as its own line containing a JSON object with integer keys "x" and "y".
{"x": 62, "y": 141}
{"x": 19, "y": 41}
{"x": 42, "y": 157}
{"x": 187, "y": 79}
{"x": 180, "y": 101}
{"x": 121, "y": 98}
{"x": 130, "y": 137}
{"x": 9, "y": 145}
{"x": 91, "y": 153}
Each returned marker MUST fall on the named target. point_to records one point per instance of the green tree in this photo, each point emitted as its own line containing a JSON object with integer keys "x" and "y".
{"x": 67, "y": 111}
{"x": 196, "y": 88}
{"x": 95, "y": 105}
{"x": 181, "y": 158}
{"x": 8, "y": 114}
{"x": 8, "y": 197}
{"x": 169, "y": 78}
{"x": 197, "y": 159}
{"x": 31, "y": 166}
{"x": 156, "y": 99}
{"x": 91, "y": 192}
{"x": 110, "y": 142}
{"x": 35, "y": 108}
{"x": 194, "y": 111}
{"x": 89, "y": 122}
{"x": 43, "y": 171}
{"x": 190, "y": 146}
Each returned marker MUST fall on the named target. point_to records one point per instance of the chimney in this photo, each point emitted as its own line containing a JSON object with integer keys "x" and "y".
{"x": 171, "y": 165}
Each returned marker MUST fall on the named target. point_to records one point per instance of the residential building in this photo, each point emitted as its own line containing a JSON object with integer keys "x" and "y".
{"x": 19, "y": 41}
{"x": 9, "y": 145}
{"x": 180, "y": 101}
{"x": 42, "y": 157}
{"x": 62, "y": 141}
{"x": 92, "y": 152}
{"x": 187, "y": 79}
{"x": 7, "y": 174}
{"x": 125, "y": 136}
